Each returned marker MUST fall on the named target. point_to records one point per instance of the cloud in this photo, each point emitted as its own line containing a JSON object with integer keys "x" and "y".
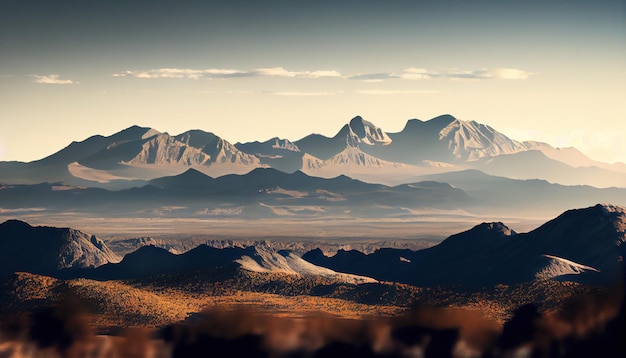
{"x": 393, "y": 92}
{"x": 495, "y": 73}
{"x": 416, "y": 74}
{"x": 281, "y": 72}
{"x": 290, "y": 93}
{"x": 413, "y": 73}
{"x": 216, "y": 73}
{"x": 372, "y": 77}
{"x": 52, "y": 80}
{"x": 188, "y": 73}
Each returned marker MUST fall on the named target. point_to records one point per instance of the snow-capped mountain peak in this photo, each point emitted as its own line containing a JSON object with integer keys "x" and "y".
{"x": 368, "y": 133}
{"x": 469, "y": 140}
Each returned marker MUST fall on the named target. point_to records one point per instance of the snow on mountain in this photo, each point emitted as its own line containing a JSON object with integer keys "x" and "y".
{"x": 151, "y": 132}
{"x": 351, "y": 158}
{"x": 218, "y": 149}
{"x": 310, "y": 162}
{"x": 443, "y": 143}
{"x": 469, "y": 140}
{"x": 278, "y": 153}
{"x": 263, "y": 260}
{"x": 580, "y": 245}
{"x": 285, "y": 144}
{"x": 362, "y": 131}
{"x": 354, "y": 156}
{"x": 190, "y": 148}
{"x": 360, "y": 165}
{"x": 40, "y": 249}
{"x": 558, "y": 267}
{"x": 165, "y": 149}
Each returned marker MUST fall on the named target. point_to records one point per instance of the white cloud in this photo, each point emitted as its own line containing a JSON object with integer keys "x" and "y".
{"x": 189, "y": 73}
{"x": 302, "y": 93}
{"x": 411, "y": 73}
{"x": 281, "y": 72}
{"x": 484, "y": 73}
{"x": 393, "y": 92}
{"x": 372, "y": 77}
{"x": 53, "y": 79}
{"x": 212, "y": 73}
{"x": 415, "y": 74}
{"x": 509, "y": 73}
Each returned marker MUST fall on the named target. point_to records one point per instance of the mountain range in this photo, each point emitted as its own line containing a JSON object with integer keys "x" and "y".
{"x": 270, "y": 193}
{"x": 583, "y": 245}
{"x": 360, "y": 150}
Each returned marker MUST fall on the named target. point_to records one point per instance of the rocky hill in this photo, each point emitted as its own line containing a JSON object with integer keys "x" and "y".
{"x": 46, "y": 250}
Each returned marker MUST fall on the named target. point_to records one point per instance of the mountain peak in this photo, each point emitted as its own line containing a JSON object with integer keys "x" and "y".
{"x": 441, "y": 121}
{"x": 45, "y": 250}
{"x": 362, "y": 131}
{"x": 498, "y": 227}
{"x": 14, "y": 225}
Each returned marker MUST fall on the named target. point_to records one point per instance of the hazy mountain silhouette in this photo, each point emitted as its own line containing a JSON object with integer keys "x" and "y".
{"x": 522, "y": 197}
{"x": 278, "y": 153}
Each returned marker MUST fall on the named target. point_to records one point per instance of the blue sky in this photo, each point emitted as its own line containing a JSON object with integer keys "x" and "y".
{"x": 544, "y": 70}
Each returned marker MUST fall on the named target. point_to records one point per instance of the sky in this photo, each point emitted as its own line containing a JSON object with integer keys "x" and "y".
{"x": 552, "y": 71}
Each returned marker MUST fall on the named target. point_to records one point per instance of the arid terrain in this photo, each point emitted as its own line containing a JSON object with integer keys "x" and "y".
{"x": 181, "y": 295}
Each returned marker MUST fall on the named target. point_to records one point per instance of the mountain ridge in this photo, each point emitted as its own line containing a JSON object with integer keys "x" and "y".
{"x": 441, "y": 144}
{"x": 588, "y": 240}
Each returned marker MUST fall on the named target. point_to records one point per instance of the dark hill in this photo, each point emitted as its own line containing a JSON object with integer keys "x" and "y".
{"x": 44, "y": 250}
{"x": 583, "y": 244}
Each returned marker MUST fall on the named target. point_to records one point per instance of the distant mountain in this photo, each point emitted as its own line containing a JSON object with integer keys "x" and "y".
{"x": 191, "y": 180}
{"x": 356, "y": 162}
{"x": 278, "y": 153}
{"x": 54, "y": 168}
{"x": 263, "y": 192}
{"x": 163, "y": 154}
{"x": 45, "y": 250}
{"x": 533, "y": 164}
{"x": 133, "y": 154}
{"x": 360, "y": 150}
{"x": 523, "y": 197}
{"x": 583, "y": 244}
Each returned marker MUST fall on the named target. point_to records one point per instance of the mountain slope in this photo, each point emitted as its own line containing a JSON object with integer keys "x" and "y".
{"x": 278, "y": 153}
{"x": 534, "y": 164}
{"x": 53, "y": 168}
{"x": 357, "y": 132}
{"x": 150, "y": 261}
{"x": 531, "y": 196}
{"x": 45, "y": 250}
{"x": 584, "y": 243}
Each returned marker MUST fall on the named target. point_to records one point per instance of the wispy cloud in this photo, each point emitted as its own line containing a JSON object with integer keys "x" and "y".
{"x": 413, "y": 73}
{"x": 394, "y": 92}
{"x": 53, "y": 79}
{"x": 372, "y": 77}
{"x": 188, "y": 73}
{"x": 484, "y": 73}
{"x": 216, "y": 73}
{"x": 291, "y": 93}
{"x": 281, "y": 72}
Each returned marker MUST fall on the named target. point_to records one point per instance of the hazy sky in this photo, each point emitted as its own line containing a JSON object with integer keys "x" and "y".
{"x": 251, "y": 70}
